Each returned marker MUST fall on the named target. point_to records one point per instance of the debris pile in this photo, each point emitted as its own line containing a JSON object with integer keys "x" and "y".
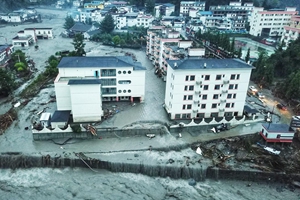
{"x": 6, "y": 120}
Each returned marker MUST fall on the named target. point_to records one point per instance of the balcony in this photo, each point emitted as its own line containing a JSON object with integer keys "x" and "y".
{"x": 224, "y": 91}
{"x": 198, "y": 82}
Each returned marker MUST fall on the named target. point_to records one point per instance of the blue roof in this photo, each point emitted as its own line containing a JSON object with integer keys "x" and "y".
{"x": 208, "y": 64}
{"x": 205, "y": 12}
{"x": 84, "y": 81}
{"x": 278, "y": 128}
{"x": 61, "y": 116}
{"x": 168, "y": 4}
{"x": 99, "y": 62}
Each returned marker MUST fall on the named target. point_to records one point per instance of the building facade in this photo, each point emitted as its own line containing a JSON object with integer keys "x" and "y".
{"x": 270, "y": 23}
{"x": 83, "y": 83}
{"x": 205, "y": 88}
{"x": 185, "y": 6}
{"x": 292, "y": 31}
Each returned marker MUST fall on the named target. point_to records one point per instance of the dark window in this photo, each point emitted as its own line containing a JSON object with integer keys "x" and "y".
{"x": 207, "y": 77}
{"x": 234, "y": 96}
{"x": 229, "y": 96}
{"x": 184, "y": 97}
{"x": 237, "y": 76}
{"x": 177, "y": 116}
{"x": 184, "y": 116}
{"x": 192, "y": 78}
{"x": 185, "y": 88}
{"x": 190, "y": 97}
{"x": 218, "y": 77}
{"x": 203, "y": 106}
{"x": 204, "y": 96}
{"x": 186, "y": 78}
{"x": 232, "y": 105}
{"x": 217, "y": 87}
{"x": 236, "y": 86}
{"x": 189, "y": 106}
{"x": 232, "y": 77}
{"x": 191, "y": 88}
{"x": 183, "y": 107}
{"x": 231, "y": 86}
{"x": 216, "y": 96}
{"x": 214, "y": 105}
{"x": 227, "y": 105}
{"x": 205, "y": 87}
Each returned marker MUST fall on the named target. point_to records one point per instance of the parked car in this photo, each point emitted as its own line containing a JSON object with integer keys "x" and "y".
{"x": 252, "y": 90}
{"x": 260, "y": 95}
{"x": 281, "y": 106}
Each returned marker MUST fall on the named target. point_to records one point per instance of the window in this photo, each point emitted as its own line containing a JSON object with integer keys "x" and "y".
{"x": 205, "y": 87}
{"x": 236, "y": 86}
{"x": 229, "y": 96}
{"x": 129, "y": 72}
{"x": 214, "y": 105}
{"x": 184, "y": 97}
{"x": 183, "y": 107}
{"x": 204, "y": 96}
{"x": 129, "y": 91}
{"x": 124, "y": 91}
{"x": 216, "y": 96}
{"x": 207, "y": 77}
{"x": 227, "y": 105}
{"x": 124, "y": 72}
{"x": 217, "y": 87}
{"x": 190, "y": 97}
{"x": 203, "y": 106}
{"x": 234, "y": 96}
{"x": 189, "y": 106}
{"x": 232, "y": 77}
{"x": 119, "y": 91}
{"x": 231, "y": 86}
{"x": 238, "y": 77}
{"x": 191, "y": 88}
{"x": 232, "y": 105}
{"x": 177, "y": 116}
{"x": 124, "y": 82}
{"x": 185, "y": 88}
{"x": 218, "y": 77}
{"x": 192, "y": 78}
{"x": 186, "y": 78}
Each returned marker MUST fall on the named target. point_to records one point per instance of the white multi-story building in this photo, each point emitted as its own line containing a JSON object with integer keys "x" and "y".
{"x": 132, "y": 19}
{"x": 205, "y": 88}
{"x": 83, "y": 83}
{"x": 291, "y": 32}
{"x": 186, "y": 5}
{"x": 30, "y": 36}
{"x": 164, "y": 9}
{"x": 270, "y": 22}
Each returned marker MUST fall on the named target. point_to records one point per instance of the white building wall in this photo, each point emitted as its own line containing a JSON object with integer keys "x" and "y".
{"x": 86, "y": 102}
{"x": 196, "y": 52}
{"x": 175, "y": 91}
{"x": 63, "y": 98}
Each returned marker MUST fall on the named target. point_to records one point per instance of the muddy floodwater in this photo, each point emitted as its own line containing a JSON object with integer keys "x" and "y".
{"x": 85, "y": 184}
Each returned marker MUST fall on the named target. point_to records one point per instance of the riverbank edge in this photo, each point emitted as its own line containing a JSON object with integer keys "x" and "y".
{"x": 16, "y": 160}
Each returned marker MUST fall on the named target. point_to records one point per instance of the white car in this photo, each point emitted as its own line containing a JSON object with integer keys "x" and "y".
{"x": 252, "y": 89}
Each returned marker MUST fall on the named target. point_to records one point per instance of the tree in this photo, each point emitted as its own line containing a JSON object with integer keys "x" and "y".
{"x": 150, "y": 6}
{"x": 232, "y": 49}
{"x": 7, "y": 83}
{"x": 20, "y": 67}
{"x": 116, "y": 40}
{"x": 107, "y": 25}
{"x": 239, "y": 54}
{"x": 69, "y": 22}
{"x": 247, "y": 58}
{"x": 78, "y": 45}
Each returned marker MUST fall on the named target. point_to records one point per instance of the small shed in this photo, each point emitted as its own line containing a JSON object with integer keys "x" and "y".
{"x": 249, "y": 111}
{"x": 45, "y": 119}
{"x": 277, "y": 132}
{"x": 60, "y": 118}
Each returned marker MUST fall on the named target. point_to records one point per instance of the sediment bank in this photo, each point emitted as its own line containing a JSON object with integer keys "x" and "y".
{"x": 14, "y": 160}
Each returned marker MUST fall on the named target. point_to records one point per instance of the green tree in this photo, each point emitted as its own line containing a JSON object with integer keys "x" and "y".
{"x": 122, "y": 42}
{"x": 7, "y": 83}
{"x": 239, "y": 54}
{"x": 293, "y": 89}
{"x": 107, "y": 25}
{"x": 116, "y": 40}
{"x": 150, "y": 6}
{"x": 247, "y": 58}
{"x": 79, "y": 45}
{"x": 20, "y": 67}
{"x": 69, "y": 22}
{"x": 232, "y": 49}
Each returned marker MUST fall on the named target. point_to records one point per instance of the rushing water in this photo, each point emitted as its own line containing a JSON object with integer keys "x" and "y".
{"x": 45, "y": 183}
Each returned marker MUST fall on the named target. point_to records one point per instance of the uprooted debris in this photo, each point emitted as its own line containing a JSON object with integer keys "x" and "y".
{"x": 6, "y": 120}
{"x": 244, "y": 152}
